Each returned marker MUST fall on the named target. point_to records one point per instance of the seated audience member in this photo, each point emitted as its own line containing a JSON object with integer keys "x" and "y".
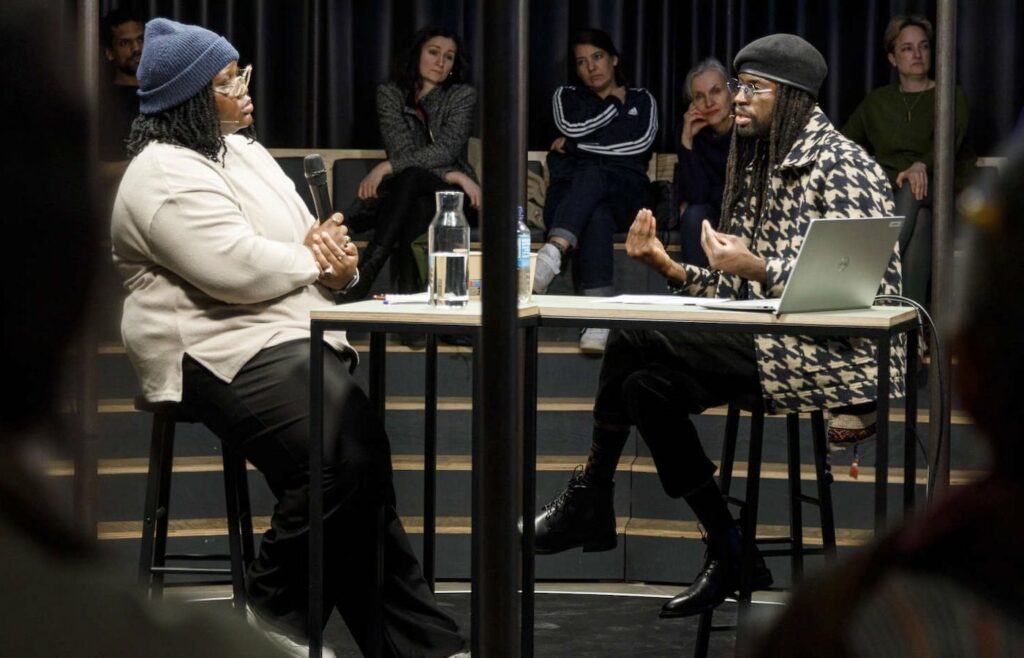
{"x": 426, "y": 113}
{"x": 122, "y": 35}
{"x": 57, "y": 595}
{"x": 787, "y": 165}
{"x": 702, "y": 150}
{"x": 598, "y": 169}
{"x": 896, "y": 124}
{"x": 223, "y": 262}
{"x": 950, "y": 582}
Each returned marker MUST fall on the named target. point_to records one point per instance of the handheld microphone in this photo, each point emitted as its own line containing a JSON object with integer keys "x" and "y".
{"x": 316, "y": 176}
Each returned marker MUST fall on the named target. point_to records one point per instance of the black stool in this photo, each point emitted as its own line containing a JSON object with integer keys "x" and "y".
{"x": 794, "y": 544}
{"x": 153, "y": 555}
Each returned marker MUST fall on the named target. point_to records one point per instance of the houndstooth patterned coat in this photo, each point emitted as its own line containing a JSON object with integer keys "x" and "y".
{"x": 823, "y": 175}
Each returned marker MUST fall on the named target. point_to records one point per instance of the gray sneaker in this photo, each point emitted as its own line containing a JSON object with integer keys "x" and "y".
{"x": 549, "y": 264}
{"x": 592, "y": 341}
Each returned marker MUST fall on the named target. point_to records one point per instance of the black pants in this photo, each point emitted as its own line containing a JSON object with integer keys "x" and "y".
{"x": 404, "y": 212}
{"x": 915, "y": 242}
{"x": 588, "y": 209}
{"x": 656, "y": 380}
{"x": 264, "y": 414}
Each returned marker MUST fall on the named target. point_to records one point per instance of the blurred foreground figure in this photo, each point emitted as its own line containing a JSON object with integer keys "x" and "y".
{"x": 56, "y": 598}
{"x": 950, "y": 582}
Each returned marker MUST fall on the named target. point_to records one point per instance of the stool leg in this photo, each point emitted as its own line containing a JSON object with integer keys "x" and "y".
{"x": 828, "y": 524}
{"x": 376, "y": 629}
{"x": 748, "y": 518}
{"x": 149, "y": 512}
{"x": 158, "y": 493}
{"x": 796, "y": 522}
{"x": 245, "y": 516}
{"x": 700, "y": 646}
{"x": 232, "y": 504}
{"x": 732, "y": 422}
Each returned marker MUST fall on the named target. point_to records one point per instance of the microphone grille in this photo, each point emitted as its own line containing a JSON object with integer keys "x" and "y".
{"x": 313, "y": 166}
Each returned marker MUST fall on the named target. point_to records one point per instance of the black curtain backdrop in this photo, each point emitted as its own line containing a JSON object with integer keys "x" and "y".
{"x": 318, "y": 62}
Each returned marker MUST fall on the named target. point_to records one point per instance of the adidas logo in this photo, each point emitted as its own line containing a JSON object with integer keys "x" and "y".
{"x": 632, "y": 112}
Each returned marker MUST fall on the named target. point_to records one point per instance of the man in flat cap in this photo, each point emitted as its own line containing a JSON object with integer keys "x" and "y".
{"x": 787, "y": 165}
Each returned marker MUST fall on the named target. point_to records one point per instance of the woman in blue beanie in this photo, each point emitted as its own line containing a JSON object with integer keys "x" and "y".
{"x": 223, "y": 262}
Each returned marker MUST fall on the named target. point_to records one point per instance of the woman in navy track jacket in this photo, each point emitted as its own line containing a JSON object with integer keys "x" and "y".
{"x": 598, "y": 169}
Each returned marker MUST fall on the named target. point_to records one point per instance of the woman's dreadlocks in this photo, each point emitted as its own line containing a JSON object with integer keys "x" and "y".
{"x": 192, "y": 124}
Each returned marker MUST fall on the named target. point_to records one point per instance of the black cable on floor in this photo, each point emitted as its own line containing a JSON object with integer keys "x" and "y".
{"x": 936, "y": 348}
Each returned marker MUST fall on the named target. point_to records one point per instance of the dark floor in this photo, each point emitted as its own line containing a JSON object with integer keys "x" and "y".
{"x": 588, "y": 624}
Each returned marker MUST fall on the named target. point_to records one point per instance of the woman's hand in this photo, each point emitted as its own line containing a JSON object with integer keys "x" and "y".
{"x": 917, "y": 175}
{"x": 338, "y": 262}
{"x": 368, "y": 186}
{"x": 558, "y": 146}
{"x": 334, "y": 227}
{"x": 467, "y": 184}
{"x": 693, "y": 122}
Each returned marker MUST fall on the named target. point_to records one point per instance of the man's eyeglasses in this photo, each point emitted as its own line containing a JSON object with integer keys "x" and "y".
{"x": 238, "y": 85}
{"x": 749, "y": 88}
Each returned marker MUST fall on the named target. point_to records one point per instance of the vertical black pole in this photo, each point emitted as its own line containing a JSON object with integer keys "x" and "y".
{"x": 942, "y": 239}
{"x": 86, "y": 449}
{"x": 504, "y": 186}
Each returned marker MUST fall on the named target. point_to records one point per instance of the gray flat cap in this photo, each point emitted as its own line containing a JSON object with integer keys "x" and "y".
{"x": 785, "y": 58}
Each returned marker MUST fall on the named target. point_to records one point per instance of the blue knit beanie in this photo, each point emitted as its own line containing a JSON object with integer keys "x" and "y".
{"x": 178, "y": 61}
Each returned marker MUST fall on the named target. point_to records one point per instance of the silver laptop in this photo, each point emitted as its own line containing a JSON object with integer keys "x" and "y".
{"x": 839, "y": 267}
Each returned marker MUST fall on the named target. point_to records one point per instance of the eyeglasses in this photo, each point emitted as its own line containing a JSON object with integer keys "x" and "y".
{"x": 749, "y": 88}
{"x": 238, "y": 85}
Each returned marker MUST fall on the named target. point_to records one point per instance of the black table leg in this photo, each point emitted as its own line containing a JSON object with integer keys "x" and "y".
{"x": 378, "y": 402}
{"x": 910, "y": 426}
{"x": 529, "y": 475}
{"x": 316, "y": 490}
{"x": 882, "y": 434}
{"x": 430, "y": 461}
{"x": 475, "y": 504}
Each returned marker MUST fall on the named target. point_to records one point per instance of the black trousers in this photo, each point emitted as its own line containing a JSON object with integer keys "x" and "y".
{"x": 915, "y": 242}
{"x": 655, "y": 380}
{"x": 404, "y": 212}
{"x": 264, "y": 414}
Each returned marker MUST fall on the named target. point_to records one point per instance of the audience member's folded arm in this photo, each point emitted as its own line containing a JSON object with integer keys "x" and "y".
{"x": 578, "y": 113}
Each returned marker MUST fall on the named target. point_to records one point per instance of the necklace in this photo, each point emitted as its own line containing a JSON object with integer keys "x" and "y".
{"x": 910, "y": 106}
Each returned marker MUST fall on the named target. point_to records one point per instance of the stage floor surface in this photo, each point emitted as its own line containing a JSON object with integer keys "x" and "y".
{"x": 597, "y": 619}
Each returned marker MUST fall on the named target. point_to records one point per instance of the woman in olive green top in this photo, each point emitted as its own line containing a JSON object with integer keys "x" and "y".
{"x": 896, "y": 124}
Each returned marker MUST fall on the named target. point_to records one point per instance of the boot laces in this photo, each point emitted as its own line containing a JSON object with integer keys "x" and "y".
{"x": 575, "y": 482}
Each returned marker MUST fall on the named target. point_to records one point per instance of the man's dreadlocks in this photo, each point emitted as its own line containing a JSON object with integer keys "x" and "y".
{"x": 792, "y": 110}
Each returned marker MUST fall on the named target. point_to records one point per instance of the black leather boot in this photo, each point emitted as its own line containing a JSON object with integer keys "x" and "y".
{"x": 582, "y": 515}
{"x": 719, "y": 578}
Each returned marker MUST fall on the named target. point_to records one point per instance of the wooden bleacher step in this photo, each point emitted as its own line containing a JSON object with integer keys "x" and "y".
{"x": 460, "y": 525}
{"x": 464, "y": 403}
{"x": 545, "y": 463}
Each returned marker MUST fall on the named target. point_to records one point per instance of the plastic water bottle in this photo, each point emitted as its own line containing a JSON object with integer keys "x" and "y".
{"x": 524, "y": 284}
{"x": 448, "y": 240}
